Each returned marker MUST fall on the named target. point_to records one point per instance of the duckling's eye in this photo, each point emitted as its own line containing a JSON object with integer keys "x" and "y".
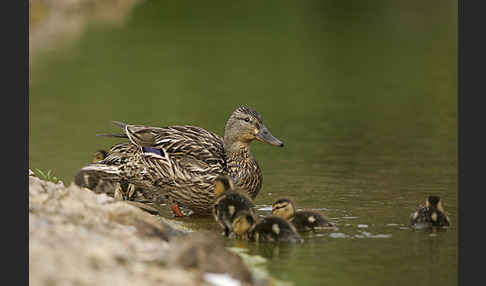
{"x": 247, "y": 119}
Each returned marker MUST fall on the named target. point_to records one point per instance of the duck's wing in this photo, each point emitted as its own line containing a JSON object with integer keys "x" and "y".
{"x": 120, "y": 154}
{"x": 148, "y": 136}
{"x": 182, "y": 152}
{"x": 182, "y": 160}
{"x": 189, "y": 142}
{"x": 191, "y": 146}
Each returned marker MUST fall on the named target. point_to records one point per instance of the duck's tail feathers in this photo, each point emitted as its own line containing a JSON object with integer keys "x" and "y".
{"x": 119, "y": 123}
{"x": 103, "y": 168}
{"x": 113, "y": 135}
{"x": 96, "y": 171}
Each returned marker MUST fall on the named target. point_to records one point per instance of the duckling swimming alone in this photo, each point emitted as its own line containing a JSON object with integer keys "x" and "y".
{"x": 302, "y": 220}
{"x": 229, "y": 203}
{"x": 430, "y": 215}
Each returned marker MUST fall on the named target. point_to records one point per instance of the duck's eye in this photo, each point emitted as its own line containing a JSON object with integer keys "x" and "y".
{"x": 247, "y": 119}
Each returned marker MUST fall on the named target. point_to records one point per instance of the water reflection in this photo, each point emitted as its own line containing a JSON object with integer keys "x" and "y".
{"x": 54, "y": 24}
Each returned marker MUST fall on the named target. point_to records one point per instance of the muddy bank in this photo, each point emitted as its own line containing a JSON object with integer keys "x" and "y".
{"x": 77, "y": 237}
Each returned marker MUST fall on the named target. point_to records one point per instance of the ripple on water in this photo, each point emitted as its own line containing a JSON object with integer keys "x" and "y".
{"x": 338, "y": 235}
{"x": 365, "y": 234}
{"x": 264, "y": 208}
{"x": 323, "y": 209}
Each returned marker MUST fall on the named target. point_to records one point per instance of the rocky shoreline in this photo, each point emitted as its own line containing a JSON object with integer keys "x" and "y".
{"x": 78, "y": 237}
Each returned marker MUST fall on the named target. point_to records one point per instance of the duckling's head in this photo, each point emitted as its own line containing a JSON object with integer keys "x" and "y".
{"x": 283, "y": 208}
{"x": 246, "y": 125}
{"x": 244, "y": 222}
{"x": 222, "y": 183}
{"x": 434, "y": 202}
{"x": 99, "y": 155}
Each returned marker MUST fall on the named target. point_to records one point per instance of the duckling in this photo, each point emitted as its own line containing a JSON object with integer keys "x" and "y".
{"x": 272, "y": 229}
{"x": 302, "y": 220}
{"x": 429, "y": 216}
{"x": 229, "y": 203}
{"x": 122, "y": 190}
{"x": 243, "y": 224}
{"x": 99, "y": 155}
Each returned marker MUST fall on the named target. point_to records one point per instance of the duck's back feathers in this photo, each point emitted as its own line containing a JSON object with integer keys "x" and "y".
{"x": 182, "y": 162}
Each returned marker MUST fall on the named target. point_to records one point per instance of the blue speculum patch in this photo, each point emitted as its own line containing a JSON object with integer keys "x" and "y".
{"x": 152, "y": 150}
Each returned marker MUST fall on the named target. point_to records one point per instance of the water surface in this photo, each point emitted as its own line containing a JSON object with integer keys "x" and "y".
{"x": 362, "y": 94}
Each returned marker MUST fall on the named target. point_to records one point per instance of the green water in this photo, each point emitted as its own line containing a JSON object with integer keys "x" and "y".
{"x": 362, "y": 93}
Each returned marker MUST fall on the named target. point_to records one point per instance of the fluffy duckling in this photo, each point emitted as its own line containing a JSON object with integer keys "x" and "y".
{"x": 229, "y": 203}
{"x": 122, "y": 190}
{"x": 302, "y": 220}
{"x": 99, "y": 155}
{"x": 243, "y": 223}
{"x": 271, "y": 229}
{"x": 430, "y": 215}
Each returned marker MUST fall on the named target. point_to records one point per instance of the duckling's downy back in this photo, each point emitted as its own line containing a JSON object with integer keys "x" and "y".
{"x": 229, "y": 203}
{"x": 429, "y": 216}
{"x": 275, "y": 229}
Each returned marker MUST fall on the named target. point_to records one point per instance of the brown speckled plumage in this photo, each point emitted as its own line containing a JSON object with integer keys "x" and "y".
{"x": 190, "y": 159}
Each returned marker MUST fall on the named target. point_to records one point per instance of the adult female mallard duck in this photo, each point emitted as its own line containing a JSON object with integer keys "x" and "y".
{"x": 229, "y": 203}
{"x": 429, "y": 216}
{"x": 302, "y": 220}
{"x": 181, "y": 162}
{"x": 270, "y": 228}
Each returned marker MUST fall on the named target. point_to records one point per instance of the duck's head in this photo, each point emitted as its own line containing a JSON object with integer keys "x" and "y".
{"x": 244, "y": 222}
{"x": 434, "y": 202}
{"x": 99, "y": 155}
{"x": 222, "y": 183}
{"x": 283, "y": 208}
{"x": 246, "y": 125}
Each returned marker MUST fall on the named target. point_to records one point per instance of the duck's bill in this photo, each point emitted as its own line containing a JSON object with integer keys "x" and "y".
{"x": 265, "y": 136}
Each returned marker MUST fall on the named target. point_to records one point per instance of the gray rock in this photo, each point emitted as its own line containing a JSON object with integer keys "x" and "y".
{"x": 205, "y": 252}
{"x": 78, "y": 237}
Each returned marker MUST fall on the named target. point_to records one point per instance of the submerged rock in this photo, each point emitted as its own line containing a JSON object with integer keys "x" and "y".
{"x": 78, "y": 237}
{"x": 205, "y": 252}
